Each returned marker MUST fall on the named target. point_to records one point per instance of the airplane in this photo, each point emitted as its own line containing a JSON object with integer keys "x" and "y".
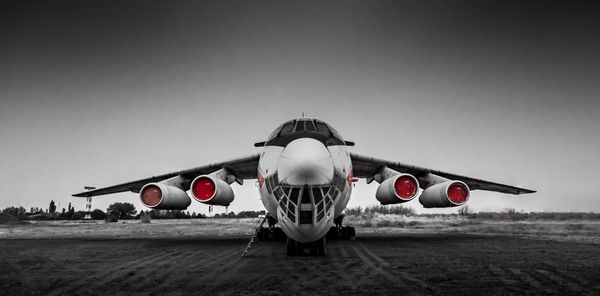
{"x": 305, "y": 174}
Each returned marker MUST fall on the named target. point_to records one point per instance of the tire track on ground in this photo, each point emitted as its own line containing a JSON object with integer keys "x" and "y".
{"x": 72, "y": 287}
{"x": 530, "y": 280}
{"x": 128, "y": 275}
{"x": 228, "y": 269}
{"x": 208, "y": 263}
{"x": 502, "y": 276}
{"x": 287, "y": 272}
{"x": 556, "y": 269}
{"x": 217, "y": 266}
{"x": 375, "y": 263}
{"x": 561, "y": 281}
{"x": 340, "y": 269}
{"x": 350, "y": 261}
{"x": 363, "y": 275}
{"x": 304, "y": 273}
{"x": 157, "y": 273}
{"x": 265, "y": 279}
{"x": 351, "y": 265}
{"x": 402, "y": 274}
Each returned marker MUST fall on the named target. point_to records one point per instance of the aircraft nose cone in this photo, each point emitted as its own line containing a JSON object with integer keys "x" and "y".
{"x": 305, "y": 161}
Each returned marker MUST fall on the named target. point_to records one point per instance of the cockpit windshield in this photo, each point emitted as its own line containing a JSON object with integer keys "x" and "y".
{"x": 304, "y": 127}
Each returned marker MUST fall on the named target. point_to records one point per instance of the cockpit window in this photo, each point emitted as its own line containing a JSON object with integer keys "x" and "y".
{"x": 310, "y": 126}
{"x": 287, "y": 128}
{"x": 274, "y": 133}
{"x": 335, "y": 133}
{"x": 322, "y": 128}
{"x": 299, "y": 126}
{"x": 305, "y": 128}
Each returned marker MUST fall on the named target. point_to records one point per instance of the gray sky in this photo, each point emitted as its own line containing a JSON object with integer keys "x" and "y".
{"x": 103, "y": 92}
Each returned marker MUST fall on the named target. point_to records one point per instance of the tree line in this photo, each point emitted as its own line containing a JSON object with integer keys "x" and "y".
{"x": 124, "y": 210}
{"x": 115, "y": 211}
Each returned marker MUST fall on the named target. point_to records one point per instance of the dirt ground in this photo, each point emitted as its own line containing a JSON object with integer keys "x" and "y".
{"x": 378, "y": 263}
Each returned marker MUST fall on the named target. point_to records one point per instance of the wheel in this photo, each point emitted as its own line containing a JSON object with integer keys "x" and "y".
{"x": 332, "y": 233}
{"x": 278, "y": 234}
{"x": 291, "y": 247}
{"x": 322, "y": 247}
{"x": 352, "y": 233}
{"x": 260, "y": 234}
{"x": 314, "y": 248}
{"x": 344, "y": 233}
{"x": 318, "y": 247}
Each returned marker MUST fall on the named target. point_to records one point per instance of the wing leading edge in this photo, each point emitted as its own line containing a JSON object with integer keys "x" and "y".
{"x": 244, "y": 168}
{"x": 366, "y": 167}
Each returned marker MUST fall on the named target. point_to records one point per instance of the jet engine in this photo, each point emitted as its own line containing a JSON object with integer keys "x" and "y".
{"x": 397, "y": 189}
{"x": 210, "y": 190}
{"x": 164, "y": 197}
{"x": 445, "y": 194}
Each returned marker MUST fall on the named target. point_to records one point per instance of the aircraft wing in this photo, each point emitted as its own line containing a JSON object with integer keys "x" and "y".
{"x": 244, "y": 168}
{"x": 366, "y": 167}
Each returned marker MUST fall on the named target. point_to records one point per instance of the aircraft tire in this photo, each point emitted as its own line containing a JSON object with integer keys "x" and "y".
{"x": 322, "y": 247}
{"x": 332, "y": 233}
{"x": 344, "y": 233}
{"x": 278, "y": 234}
{"x": 352, "y": 233}
{"x": 291, "y": 247}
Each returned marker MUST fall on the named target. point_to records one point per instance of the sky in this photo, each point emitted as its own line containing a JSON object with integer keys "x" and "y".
{"x": 96, "y": 93}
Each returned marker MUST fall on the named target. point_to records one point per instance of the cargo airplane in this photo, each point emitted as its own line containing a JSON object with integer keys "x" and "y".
{"x": 305, "y": 174}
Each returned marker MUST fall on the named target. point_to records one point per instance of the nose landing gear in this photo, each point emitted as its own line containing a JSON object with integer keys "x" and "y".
{"x": 316, "y": 248}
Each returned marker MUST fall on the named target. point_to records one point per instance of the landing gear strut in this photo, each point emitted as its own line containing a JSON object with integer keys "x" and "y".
{"x": 270, "y": 233}
{"x": 316, "y": 248}
{"x": 339, "y": 232}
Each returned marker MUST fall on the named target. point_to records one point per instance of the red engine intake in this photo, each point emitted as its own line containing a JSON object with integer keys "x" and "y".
{"x": 164, "y": 197}
{"x": 446, "y": 194}
{"x": 397, "y": 189}
{"x": 210, "y": 190}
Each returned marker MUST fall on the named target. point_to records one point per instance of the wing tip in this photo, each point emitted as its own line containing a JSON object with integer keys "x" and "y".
{"x": 525, "y": 191}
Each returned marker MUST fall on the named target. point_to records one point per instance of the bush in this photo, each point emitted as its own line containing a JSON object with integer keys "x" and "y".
{"x": 77, "y": 215}
{"x": 124, "y": 210}
{"x": 111, "y": 218}
{"x": 381, "y": 209}
{"x": 98, "y": 214}
{"x": 9, "y": 219}
{"x": 145, "y": 217}
{"x": 14, "y": 211}
{"x": 464, "y": 211}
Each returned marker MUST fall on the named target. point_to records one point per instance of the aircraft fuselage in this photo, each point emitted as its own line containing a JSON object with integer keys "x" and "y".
{"x": 305, "y": 185}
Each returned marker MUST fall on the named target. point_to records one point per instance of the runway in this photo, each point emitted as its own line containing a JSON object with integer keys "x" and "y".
{"x": 374, "y": 264}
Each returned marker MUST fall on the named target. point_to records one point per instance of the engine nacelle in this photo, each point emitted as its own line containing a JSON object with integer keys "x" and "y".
{"x": 446, "y": 194}
{"x": 164, "y": 197}
{"x": 210, "y": 190}
{"x": 397, "y": 189}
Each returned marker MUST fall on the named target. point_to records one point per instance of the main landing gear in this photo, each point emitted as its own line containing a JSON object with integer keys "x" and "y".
{"x": 339, "y": 232}
{"x": 271, "y": 233}
{"x": 316, "y": 248}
